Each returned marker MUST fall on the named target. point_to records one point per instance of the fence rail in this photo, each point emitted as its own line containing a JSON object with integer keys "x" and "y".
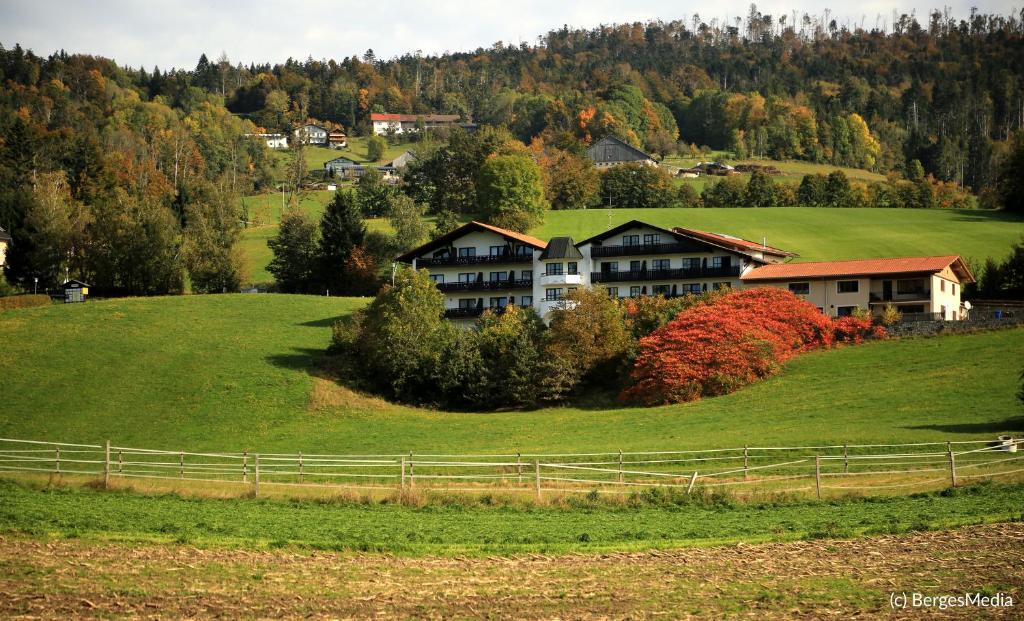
{"x": 846, "y": 468}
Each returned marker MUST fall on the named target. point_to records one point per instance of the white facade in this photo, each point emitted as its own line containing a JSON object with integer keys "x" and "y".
{"x": 935, "y": 292}
{"x": 479, "y": 266}
{"x": 480, "y": 269}
{"x": 273, "y": 141}
{"x": 312, "y": 134}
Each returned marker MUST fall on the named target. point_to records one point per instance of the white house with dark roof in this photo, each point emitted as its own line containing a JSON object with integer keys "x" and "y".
{"x": 312, "y": 134}
{"x": 481, "y": 266}
{"x": 611, "y": 151}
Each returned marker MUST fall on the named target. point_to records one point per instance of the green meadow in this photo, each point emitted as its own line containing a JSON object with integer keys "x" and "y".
{"x": 241, "y": 372}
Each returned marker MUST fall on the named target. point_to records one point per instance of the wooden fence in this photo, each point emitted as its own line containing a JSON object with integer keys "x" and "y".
{"x": 811, "y": 469}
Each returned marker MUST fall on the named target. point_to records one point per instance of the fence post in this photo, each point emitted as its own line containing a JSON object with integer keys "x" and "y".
{"x": 403, "y": 473}
{"x": 106, "y": 465}
{"x": 817, "y": 474}
{"x": 846, "y": 460}
{"x": 120, "y": 462}
{"x": 412, "y": 471}
{"x": 519, "y": 465}
{"x": 746, "y": 461}
{"x": 536, "y": 466}
{"x": 245, "y": 467}
{"x": 952, "y": 468}
{"x": 58, "y": 460}
{"x": 302, "y": 475}
{"x": 620, "y": 466}
{"x": 181, "y": 465}
{"x": 693, "y": 481}
{"x": 256, "y": 475}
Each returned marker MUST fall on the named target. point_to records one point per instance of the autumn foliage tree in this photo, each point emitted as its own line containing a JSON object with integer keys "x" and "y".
{"x": 714, "y": 348}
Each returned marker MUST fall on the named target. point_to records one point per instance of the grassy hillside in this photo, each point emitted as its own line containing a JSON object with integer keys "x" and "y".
{"x": 821, "y": 234}
{"x": 237, "y": 372}
{"x": 816, "y": 234}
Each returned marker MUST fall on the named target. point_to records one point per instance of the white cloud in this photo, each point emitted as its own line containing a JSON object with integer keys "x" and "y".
{"x": 175, "y": 32}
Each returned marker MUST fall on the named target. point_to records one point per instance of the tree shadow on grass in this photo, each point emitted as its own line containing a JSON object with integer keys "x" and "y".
{"x": 1015, "y": 424}
{"x": 304, "y": 359}
{"x": 326, "y": 322}
{"x": 983, "y": 215}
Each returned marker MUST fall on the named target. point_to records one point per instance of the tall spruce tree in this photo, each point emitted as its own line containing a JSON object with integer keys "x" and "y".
{"x": 341, "y": 230}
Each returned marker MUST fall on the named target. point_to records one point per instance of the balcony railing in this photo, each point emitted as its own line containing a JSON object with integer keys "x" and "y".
{"x": 638, "y": 249}
{"x": 485, "y": 285}
{"x": 920, "y": 296}
{"x": 670, "y": 274}
{"x": 485, "y": 259}
{"x": 473, "y": 311}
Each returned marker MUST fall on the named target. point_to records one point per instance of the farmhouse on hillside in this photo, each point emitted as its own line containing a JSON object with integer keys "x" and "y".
{"x": 384, "y": 124}
{"x": 926, "y": 287}
{"x": 5, "y": 240}
{"x": 345, "y": 168}
{"x": 273, "y": 141}
{"x": 312, "y": 134}
{"x": 610, "y": 151}
{"x": 337, "y": 139}
{"x": 479, "y": 266}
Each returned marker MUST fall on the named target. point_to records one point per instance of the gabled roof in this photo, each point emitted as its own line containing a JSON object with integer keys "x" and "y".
{"x": 632, "y": 224}
{"x": 862, "y": 267}
{"x": 304, "y": 126}
{"x": 623, "y": 152}
{"x": 75, "y": 284}
{"x": 561, "y": 248}
{"x": 733, "y": 243}
{"x": 444, "y": 240}
{"x": 412, "y": 118}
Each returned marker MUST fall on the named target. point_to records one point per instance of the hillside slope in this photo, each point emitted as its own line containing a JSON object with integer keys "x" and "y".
{"x": 236, "y": 372}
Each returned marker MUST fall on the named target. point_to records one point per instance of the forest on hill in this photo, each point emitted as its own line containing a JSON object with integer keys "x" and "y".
{"x": 131, "y": 178}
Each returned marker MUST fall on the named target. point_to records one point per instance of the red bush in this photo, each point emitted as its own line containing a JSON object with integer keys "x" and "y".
{"x": 715, "y": 348}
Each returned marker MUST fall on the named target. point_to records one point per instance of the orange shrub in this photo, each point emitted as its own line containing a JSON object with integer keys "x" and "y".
{"x": 717, "y": 347}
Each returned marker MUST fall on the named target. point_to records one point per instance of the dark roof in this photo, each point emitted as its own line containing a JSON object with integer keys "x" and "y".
{"x": 611, "y": 149}
{"x": 731, "y": 242}
{"x": 561, "y": 248}
{"x": 624, "y": 227}
{"x": 4, "y": 235}
{"x": 75, "y": 282}
{"x": 443, "y": 241}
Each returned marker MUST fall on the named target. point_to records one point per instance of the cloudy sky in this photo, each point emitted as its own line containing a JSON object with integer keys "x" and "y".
{"x": 175, "y": 32}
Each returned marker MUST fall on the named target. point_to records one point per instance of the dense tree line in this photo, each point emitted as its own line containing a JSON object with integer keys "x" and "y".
{"x": 947, "y": 92}
{"x": 100, "y": 182}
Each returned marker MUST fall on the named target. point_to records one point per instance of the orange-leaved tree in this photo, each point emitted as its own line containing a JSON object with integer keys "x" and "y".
{"x": 714, "y": 348}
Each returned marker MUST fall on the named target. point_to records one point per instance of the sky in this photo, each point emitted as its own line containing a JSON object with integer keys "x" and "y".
{"x": 173, "y": 33}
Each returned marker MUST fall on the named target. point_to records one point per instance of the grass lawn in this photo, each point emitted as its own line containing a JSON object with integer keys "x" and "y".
{"x": 238, "y": 372}
{"x": 476, "y": 529}
{"x": 793, "y": 171}
{"x": 265, "y": 215}
{"x": 821, "y": 234}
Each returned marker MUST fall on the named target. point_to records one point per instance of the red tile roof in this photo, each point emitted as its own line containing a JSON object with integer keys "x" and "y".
{"x": 735, "y": 242}
{"x": 861, "y": 267}
{"x": 411, "y": 118}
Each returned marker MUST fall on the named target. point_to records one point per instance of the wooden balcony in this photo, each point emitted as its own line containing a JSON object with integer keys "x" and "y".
{"x": 484, "y": 285}
{"x": 639, "y": 249}
{"x": 682, "y": 273}
{"x": 486, "y": 259}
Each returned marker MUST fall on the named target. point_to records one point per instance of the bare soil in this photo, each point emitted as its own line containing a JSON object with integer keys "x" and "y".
{"x": 69, "y": 578}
